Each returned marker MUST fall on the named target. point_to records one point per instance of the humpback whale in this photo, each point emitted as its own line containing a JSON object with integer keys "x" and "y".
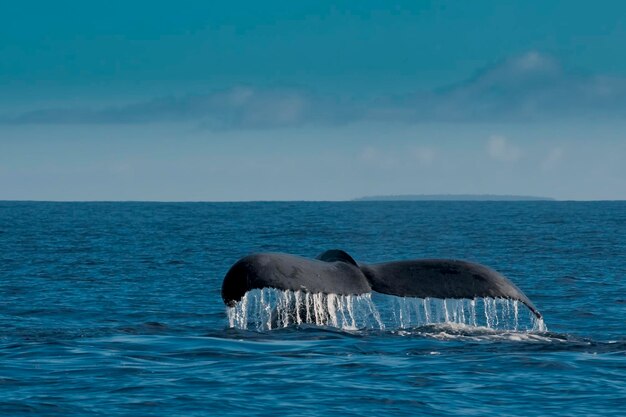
{"x": 336, "y": 272}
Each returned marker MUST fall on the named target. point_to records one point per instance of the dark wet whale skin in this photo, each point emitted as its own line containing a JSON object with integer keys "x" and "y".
{"x": 335, "y": 271}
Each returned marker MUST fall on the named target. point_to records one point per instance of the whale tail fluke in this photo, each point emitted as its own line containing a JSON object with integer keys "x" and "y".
{"x": 442, "y": 278}
{"x": 336, "y": 255}
{"x": 336, "y": 272}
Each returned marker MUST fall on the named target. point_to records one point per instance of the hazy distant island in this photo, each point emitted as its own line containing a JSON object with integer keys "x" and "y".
{"x": 452, "y": 197}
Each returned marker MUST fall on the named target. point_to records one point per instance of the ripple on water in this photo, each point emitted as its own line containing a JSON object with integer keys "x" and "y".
{"x": 114, "y": 309}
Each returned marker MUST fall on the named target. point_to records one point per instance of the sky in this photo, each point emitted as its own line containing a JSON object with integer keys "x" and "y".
{"x": 311, "y": 100}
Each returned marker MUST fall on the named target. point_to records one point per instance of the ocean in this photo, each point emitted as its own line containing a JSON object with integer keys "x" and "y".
{"x": 114, "y": 309}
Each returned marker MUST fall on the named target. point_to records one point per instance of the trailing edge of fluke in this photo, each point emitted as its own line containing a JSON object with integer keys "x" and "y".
{"x": 335, "y": 272}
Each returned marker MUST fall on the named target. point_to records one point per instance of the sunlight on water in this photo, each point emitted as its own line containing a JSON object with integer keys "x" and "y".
{"x": 269, "y": 308}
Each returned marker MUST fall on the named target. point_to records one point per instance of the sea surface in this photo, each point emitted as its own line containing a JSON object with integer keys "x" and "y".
{"x": 114, "y": 309}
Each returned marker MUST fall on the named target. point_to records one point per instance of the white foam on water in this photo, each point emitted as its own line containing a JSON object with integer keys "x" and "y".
{"x": 268, "y": 308}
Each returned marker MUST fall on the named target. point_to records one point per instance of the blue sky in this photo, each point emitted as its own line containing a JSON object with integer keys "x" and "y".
{"x": 311, "y": 100}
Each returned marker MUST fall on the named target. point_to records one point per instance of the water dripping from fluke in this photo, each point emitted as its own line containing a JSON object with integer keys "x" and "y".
{"x": 269, "y": 309}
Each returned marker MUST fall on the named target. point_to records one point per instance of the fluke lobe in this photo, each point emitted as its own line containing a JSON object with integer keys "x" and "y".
{"x": 335, "y": 272}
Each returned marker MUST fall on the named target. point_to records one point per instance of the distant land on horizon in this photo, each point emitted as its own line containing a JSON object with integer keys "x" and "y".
{"x": 452, "y": 197}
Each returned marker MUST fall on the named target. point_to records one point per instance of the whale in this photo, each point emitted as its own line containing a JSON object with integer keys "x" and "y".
{"x": 336, "y": 272}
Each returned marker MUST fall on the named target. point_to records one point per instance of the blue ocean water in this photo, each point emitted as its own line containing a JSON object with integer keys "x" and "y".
{"x": 114, "y": 309}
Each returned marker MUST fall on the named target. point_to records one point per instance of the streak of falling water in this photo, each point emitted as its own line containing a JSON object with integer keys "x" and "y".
{"x": 269, "y": 308}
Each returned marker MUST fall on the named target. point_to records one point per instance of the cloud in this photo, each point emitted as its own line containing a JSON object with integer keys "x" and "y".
{"x": 422, "y": 155}
{"x": 528, "y": 87}
{"x": 553, "y": 158}
{"x": 393, "y": 158}
{"x": 242, "y": 107}
{"x": 499, "y": 148}
{"x": 373, "y": 156}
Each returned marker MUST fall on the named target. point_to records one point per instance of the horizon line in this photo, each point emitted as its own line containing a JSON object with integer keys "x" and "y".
{"x": 354, "y": 200}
